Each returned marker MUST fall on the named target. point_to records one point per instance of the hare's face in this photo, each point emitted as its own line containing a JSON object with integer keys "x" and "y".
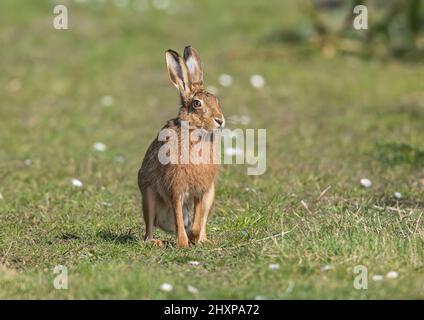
{"x": 204, "y": 111}
{"x": 200, "y": 108}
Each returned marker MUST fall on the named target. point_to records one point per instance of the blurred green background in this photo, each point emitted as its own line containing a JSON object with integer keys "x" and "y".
{"x": 338, "y": 106}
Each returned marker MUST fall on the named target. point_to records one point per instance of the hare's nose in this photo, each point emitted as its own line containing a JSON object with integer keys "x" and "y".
{"x": 220, "y": 122}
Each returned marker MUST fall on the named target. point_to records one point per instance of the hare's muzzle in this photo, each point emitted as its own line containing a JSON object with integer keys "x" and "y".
{"x": 220, "y": 122}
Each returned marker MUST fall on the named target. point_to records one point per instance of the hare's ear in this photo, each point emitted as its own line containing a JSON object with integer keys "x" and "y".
{"x": 192, "y": 60}
{"x": 178, "y": 72}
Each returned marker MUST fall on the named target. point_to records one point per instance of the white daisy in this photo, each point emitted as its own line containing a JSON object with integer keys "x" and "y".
{"x": 106, "y": 101}
{"x": 99, "y": 146}
{"x": 366, "y": 183}
{"x": 377, "y": 277}
{"x": 274, "y": 266}
{"x": 398, "y": 195}
{"x": 225, "y": 80}
{"x": 257, "y": 81}
{"x": 327, "y": 268}
{"x": 392, "y": 275}
{"x": 192, "y": 289}
{"x": 166, "y": 287}
{"x": 77, "y": 183}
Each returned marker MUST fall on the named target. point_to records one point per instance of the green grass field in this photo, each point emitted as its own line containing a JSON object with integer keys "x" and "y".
{"x": 329, "y": 121}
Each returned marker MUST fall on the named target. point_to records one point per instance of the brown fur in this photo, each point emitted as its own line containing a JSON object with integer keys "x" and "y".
{"x": 180, "y": 197}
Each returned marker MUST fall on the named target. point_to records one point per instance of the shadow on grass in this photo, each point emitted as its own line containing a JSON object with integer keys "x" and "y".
{"x": 286, "y": 36}
{"x": 304, "y": 34}
{"x": 391, "y": 154}
{"x": 403, "y": 204}
{"x": 111, "y": 236}
{"x": 105, "y": 235}
{"x": 408, "y": 55}
{"x": 69, "y": 236}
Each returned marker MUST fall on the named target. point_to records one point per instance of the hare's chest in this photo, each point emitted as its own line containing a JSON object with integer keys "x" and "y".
{"x": 194, "y": 180}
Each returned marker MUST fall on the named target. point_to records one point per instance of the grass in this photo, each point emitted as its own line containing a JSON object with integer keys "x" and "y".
{"x": 329, "y": 121}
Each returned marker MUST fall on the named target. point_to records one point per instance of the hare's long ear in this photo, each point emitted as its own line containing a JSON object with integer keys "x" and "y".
{"x": 192, "y": 60}
{"x": 178, "y": 73}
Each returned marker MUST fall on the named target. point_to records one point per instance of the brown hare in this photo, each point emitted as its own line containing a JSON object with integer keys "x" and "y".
{"x": 178, "y": 197}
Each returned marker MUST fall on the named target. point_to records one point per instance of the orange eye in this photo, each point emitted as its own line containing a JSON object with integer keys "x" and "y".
{"x": 197, "y": 104}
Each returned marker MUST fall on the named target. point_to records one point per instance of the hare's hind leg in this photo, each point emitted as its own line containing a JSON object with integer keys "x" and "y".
{"x": 207, "y": 205}
{"x": 194, "y": 232}
{"x": 149, "y": 214}
{"x": 182, "y": 239}
{"x": 202, "y": 210}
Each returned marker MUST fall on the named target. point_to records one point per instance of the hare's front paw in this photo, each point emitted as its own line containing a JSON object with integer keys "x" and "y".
{"x": 193, "y": 236}
{"x": 155, "y": 242}
{"x": 203, "y": 239}
{"x": 197, "y": 238}
{"x": 182, "y": 242}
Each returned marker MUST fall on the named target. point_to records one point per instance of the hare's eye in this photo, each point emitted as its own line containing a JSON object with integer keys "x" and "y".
{"x": 197, "y": 104}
